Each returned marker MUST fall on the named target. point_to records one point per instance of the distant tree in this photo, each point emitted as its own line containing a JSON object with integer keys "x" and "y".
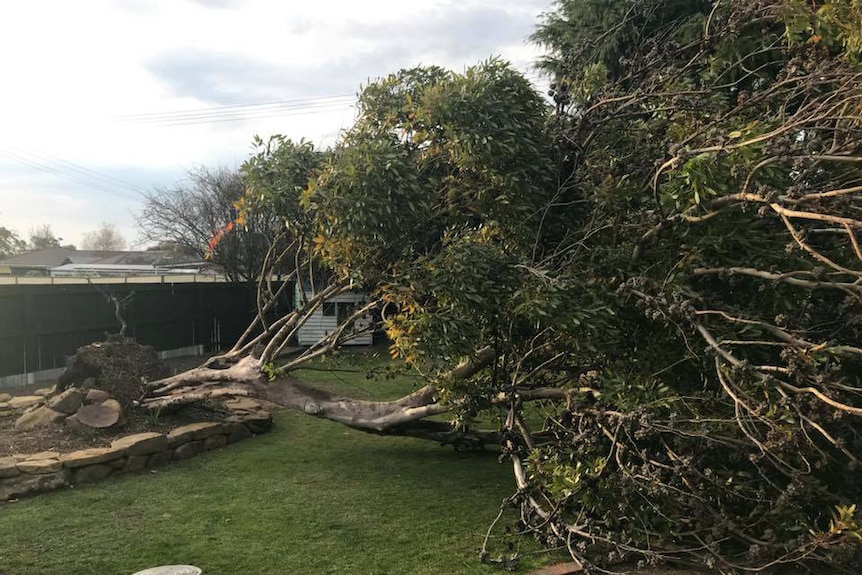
{"x": 43, "y": 238}
{"x": 193, "y": 212}
{"x": 107, "y": 238}
{"x": 10, "y": 243}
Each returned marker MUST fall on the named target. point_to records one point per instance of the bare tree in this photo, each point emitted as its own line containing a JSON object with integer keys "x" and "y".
{"x": 107, "y": 238}
{"x": 193, "y": 212}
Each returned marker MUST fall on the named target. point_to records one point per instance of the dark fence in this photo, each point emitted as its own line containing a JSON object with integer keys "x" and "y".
{"x": 40, "y": 325}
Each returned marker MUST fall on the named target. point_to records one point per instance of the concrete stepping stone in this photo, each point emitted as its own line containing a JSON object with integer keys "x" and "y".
{"x": 171, "y": 570}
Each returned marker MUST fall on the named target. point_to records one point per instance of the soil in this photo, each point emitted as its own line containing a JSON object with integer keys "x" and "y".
{"x": 59, "y": 438}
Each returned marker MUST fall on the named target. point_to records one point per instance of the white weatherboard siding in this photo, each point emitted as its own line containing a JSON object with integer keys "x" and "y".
{"x": 321, "y": 324}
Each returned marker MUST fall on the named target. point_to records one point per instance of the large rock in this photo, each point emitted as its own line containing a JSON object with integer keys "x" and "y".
{"x": 40, "y": 417}
{"x": 91, "y": 456}
{"x": 25, "y": 401}
{"x": 4, "y": 397}
{"x": 97, "y": 396}
{"x": 136, "y": 462}
{"x": 194, "y": 431}
{"x": 67, "y": 401}
{"x": 40, "y": 466}
{"x": 24, "y": 484}
{"x": 49, "y": 454}
{"x": 188, "y": 450}
{"x": 257, "y": 422}
{"x": 8, "y": 467}
{"x": 160, "y": 459}
{"x": 215, "y": 442}
{"x": 142, "y": 443}
{"x": 236, "y": 432}
{"x": 91, "y": 473}
{"x": 242, "y": 404}
{"x": 75, "y": 425}
{"x": 118, "y": 463}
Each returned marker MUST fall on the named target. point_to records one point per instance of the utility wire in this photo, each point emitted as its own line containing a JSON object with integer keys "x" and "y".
{"x": 235, "y": 109}
{"x": 256, "y": 115}
{"x": 64, "y": 173}
{"x": 102, "y": 181}
{"x": 84, "y": 171}
{"x": 240, "y": 112}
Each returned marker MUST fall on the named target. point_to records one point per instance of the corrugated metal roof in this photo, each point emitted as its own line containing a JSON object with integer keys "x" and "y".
{"x": 54, "y": 257}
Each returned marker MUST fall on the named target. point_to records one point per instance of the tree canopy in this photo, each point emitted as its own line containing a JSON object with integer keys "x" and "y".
{"x": 716, "y": 147}
{"x": 43, "y": 238}
{"x": 654, "y": 285}
{"x": 10, "y": 243}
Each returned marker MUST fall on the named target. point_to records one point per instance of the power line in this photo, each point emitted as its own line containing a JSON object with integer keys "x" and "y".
{"x": 235, "y": 108}
{"x": 83, "y": 170}
{"x": 265, "y": 110}
{"x": 57, "y": 169}
{"x": 239, "y": 116}
{"x": 107, "y": 183}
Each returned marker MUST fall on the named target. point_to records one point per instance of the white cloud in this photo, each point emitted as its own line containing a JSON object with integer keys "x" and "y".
{"x": 71, "y": 68}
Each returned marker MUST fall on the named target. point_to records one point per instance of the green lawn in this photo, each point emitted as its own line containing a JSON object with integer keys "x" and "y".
{"x": 311, "y": 497}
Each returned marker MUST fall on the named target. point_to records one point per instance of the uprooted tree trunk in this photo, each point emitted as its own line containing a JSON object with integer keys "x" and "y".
{"x": 240, "y": 372}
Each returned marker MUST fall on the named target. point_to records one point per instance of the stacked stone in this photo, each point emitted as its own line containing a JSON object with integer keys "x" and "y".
{"x": 15, "y": 406}
{"x": 27, "y": 474}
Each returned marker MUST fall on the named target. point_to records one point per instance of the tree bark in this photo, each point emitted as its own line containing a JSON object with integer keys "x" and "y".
{"x": 406, "y": 416}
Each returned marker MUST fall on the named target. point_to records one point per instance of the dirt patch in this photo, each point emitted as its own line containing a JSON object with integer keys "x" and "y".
{"x": 59, "y": 438}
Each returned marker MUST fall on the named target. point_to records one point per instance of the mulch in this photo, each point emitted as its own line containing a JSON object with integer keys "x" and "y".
{"x": 59, "y": 438}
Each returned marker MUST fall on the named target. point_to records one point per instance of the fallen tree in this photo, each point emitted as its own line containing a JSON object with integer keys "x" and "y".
{"x": 341, "y": 233}
{"x": 656, "y": 290}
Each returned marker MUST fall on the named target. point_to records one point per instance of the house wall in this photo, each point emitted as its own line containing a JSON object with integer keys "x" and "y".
{"x": 319, "y": 326}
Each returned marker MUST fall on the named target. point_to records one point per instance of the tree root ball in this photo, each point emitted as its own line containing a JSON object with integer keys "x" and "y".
{"x": 119, "y": 366}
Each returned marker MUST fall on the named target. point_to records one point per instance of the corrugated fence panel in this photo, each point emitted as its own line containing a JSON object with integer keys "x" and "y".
{"x": 40, "y": 325}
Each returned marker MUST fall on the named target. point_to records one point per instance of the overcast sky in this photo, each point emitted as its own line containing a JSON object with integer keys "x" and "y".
{"x": 104, "y": 100}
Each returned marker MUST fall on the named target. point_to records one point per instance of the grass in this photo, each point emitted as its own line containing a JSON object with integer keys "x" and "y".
{"x": 311, "y": 497}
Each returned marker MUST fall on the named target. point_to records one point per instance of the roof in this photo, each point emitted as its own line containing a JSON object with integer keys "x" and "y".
{"x": 101, "y": 269}
{"x": 54, "y": 257}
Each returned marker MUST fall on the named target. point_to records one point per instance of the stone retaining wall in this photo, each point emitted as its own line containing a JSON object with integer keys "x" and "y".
{"x": 35, "y": 473}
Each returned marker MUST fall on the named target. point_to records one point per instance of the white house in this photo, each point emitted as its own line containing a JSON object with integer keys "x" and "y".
{"x": 331, "y": 314}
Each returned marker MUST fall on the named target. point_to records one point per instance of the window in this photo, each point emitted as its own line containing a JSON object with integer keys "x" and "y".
{"x": 328, "y": 308}
{"x": 345, "y": 310}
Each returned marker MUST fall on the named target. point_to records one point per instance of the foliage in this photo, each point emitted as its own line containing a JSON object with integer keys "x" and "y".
{"x": 43, "y": 238}
{"x": 275, "y": 177}
{"x": 433, "y": 197}
{"x": 715, "y": 146}
{"x": 106, "y": 238}
{"x": 444, "y": 181}
{"x": 10, "y": 243}
{"x": 657, "y": 283}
